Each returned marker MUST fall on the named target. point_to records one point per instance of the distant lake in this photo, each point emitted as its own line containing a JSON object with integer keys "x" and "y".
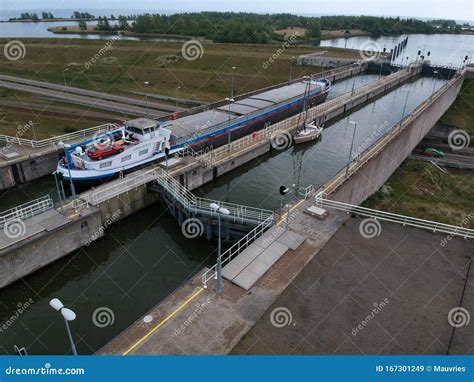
{"x": 445, "y": 49}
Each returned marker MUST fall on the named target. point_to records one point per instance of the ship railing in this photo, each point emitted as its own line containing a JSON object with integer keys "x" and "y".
{"x": 237, "y": 248}
{"x": 55, "y": 141}
{"x": 25, "y": 211}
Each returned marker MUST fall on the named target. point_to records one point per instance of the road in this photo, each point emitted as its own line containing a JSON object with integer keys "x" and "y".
{"x": 87, "y": 97}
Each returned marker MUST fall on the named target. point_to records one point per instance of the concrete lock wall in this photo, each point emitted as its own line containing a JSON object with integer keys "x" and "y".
{"x": 46, "y": 247}
{"x": 29, "y": 168}
{"x": 126, "y": 204}
{"x": 367, "y": 180}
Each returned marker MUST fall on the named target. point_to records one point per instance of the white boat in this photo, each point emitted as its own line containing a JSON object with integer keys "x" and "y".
{"x": 310, "y": 132}
{"x": 137, "y": 142}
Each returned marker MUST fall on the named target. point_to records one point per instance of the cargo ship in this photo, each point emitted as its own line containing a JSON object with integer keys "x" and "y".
{"x": 143, "y": 141}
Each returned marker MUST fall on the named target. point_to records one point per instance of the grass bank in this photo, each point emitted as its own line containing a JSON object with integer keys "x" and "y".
{"x": 461, "y": 112}
{"x": 124, "y": 66}
{"x": 420, "y": 190}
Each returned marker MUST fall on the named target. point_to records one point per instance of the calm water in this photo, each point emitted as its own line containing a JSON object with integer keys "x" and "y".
{"x": 446, "y": 49}
{"x": 145, "y": 257}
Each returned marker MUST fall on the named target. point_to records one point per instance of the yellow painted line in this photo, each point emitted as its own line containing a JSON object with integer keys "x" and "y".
{"x": 179, "y": 308}
{"x": 283, "y": 218}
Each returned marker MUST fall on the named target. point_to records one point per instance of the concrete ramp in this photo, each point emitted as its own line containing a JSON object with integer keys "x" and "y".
{"x": 247, "y": 268}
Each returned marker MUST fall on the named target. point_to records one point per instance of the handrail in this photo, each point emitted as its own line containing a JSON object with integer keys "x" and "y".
{"x": 237, "y": 212}
{"x": 233, "y": 251}
{"x": 27, "y": 210}
{"x": 53, "y": 142}
{"x": 395, "y": 218}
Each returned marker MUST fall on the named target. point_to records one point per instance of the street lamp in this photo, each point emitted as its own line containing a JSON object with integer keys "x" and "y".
{"x": 229, "y": 100}
{"x": 68, "y": 315}
{"x": 283, "y": 191}
{"x": 179, "y": 87}
{"x": 220, "y": 210}
{"x": 291, "y": 69}
{"x": 352, "y": 145}
{"x": 64, "y": 76}
{"x": 68, "y": 163}
{"x": 232, "y": 83}
{"x": 146, "y": 96}
{"x": 434, "y": 84}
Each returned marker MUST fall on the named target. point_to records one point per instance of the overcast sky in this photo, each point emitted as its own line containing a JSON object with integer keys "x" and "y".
{"x": 448, "y": 9}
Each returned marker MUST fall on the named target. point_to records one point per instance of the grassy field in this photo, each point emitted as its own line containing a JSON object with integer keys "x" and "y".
{"x": 128, "y": 64}
{"x": 47, "y": 122}
{"x": 420, "y": 190}
{"x": 461, "y": 113}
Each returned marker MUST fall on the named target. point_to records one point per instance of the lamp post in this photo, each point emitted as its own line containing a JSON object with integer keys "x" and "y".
{"x": 64, "y": 76}
{"x": 232, "y": 83}
{"x": 146, "y": 83}
{"x": 291, "y": 69}
{"x": 68, "y": 163}
{"x": 68, "y": 316}
{"x": 283, "y": 191}
{"x": 220, "y": 210}
{"x": 55, "y": 174}
{"x": 229, "y": 100}
{"x": 352, "y": 145}
{"x": 179, "y": 87}
{"x": 434, "y": 85}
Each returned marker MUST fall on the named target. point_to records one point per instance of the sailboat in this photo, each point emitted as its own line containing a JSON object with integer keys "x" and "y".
{"x": 309, "y": 131}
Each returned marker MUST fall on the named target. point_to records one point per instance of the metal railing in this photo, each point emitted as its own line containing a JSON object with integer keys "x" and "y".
{"x": 453, "y": 230}
{"x": 53, "y": 142}
{"x": 238, "y": 247}
{"x": 27, "y": 210}
{"x": 201, "y": 206}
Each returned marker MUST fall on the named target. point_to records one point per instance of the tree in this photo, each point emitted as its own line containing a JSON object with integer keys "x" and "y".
{"x": 82, "y": 25}
{"x": 34, "y": 17}
{"x": 122, "y": 23}
{"x": 315, "y": 29}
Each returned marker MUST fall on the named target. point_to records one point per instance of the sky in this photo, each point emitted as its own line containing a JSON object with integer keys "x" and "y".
{"x": 452, "y": 9}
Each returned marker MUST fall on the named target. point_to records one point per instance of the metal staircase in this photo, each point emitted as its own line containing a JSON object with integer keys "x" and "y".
{"x": 179, "y": 199}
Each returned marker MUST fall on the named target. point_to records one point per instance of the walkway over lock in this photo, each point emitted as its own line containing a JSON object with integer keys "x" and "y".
{"x": 202, "y": 207}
